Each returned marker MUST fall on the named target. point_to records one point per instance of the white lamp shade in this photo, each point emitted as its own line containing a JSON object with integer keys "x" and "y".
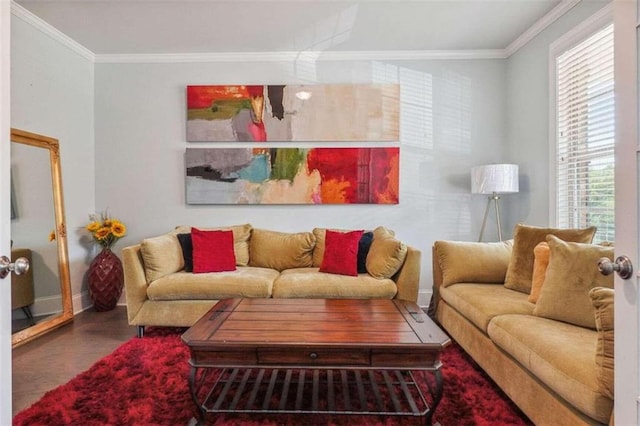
{"x": 498, "y": 178}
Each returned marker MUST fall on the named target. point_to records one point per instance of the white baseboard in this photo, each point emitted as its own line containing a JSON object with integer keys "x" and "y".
{"x": 50, "y": 305}
{"x": 81, "y": 302}
{"x": 44, "y": 306}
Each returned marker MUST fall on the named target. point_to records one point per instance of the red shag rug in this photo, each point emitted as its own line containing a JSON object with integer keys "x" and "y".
{"x": 145, "y": 382}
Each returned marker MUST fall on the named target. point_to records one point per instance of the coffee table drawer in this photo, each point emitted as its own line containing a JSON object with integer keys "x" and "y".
{"x": 314, "y": 356}
{"x": 223, "y": 358}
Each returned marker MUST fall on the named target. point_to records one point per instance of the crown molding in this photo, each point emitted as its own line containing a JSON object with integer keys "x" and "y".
{"x": 311, "y": 56}
{"x": 540, "y": 25}
{"x": 46, "y": 28}
{"x": 289, "y": 56}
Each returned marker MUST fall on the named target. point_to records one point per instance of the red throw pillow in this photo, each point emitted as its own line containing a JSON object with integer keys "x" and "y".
{"x": 341, "y": 252}
{"x": 213, "y": 251}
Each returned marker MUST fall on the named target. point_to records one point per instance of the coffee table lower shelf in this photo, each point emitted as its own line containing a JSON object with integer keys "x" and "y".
{"x": 313, "y": 391}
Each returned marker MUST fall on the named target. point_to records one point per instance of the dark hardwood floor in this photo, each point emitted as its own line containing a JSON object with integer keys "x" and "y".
{"x": 57, "y": 357}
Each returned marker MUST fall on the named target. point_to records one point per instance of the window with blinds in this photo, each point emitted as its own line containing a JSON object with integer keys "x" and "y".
{"x": 585, "y": 135}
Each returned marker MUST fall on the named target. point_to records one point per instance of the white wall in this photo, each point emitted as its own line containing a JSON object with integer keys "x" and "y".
{"x": 452, "y": 115}
{"x": 528, "y": 116}
{"x": 52, "y": 94}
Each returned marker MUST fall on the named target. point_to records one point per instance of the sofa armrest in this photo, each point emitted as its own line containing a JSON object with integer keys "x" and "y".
{"x": 135, "y": 282}
{"x": 470, "y": 262}
{"x": 603, "y": 303}
{"x": 408, "y": 277}
{"x": 467, "y": 262}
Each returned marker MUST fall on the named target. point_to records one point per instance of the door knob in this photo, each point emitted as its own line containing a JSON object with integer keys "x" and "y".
{"x": 622, "y": 266}
{"x": 19, "y": 267}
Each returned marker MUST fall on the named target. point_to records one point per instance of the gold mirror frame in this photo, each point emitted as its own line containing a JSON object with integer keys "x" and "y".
{"x": 56, "y": 320}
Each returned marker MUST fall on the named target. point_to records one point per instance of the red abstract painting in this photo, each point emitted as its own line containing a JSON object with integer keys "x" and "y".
{"x": 292, "y": 175}
{"x": 357, "y": 175}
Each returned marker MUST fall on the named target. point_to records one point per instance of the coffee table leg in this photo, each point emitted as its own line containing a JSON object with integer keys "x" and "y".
{"x": 199, "y": 420}
{"x": 436, "y": 394}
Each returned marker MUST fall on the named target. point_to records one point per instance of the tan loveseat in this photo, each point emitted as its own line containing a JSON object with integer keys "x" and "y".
{"x": 554, "y": 357}
{"x": 160, "y": 292}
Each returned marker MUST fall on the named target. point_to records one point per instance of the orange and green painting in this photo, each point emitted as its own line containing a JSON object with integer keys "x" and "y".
{"x": 261, "y": 113}
{"x": 292, "y": 175}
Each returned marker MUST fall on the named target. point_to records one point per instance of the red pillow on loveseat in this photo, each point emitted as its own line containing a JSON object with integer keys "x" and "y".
{"x": 213, "y": 251}
{"x": 341, "y": 252}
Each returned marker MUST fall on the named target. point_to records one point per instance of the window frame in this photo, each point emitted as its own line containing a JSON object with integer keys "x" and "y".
{"x": 575, "y": 36}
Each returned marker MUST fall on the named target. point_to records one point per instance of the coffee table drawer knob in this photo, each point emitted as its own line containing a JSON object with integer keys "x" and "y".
{"x": 313, "y": 355}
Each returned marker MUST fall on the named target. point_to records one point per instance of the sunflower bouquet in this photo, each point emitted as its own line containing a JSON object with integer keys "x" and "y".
{"x": 105, "y": 230}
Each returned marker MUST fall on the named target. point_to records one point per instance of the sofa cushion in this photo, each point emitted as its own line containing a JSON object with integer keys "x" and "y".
{"x": 311, "y": 283}
{"x": 386, "y": 254}
{"x": 281, "y": 250}
{"x": 479, "y": 303}
{"x": 540, "y": 264}
{"x": 525, "y": 238}
{"x": 341, "y": 253}
{"x": 241, "y": 236}
{"x": 245, "y": 281}
{"x": 572, "y": 272}
{"x": 560, "y": 355}
{"x": 602, "y": 299}
{"x": 212, "y": 251}
{"x": 469, "y": 262}
{"x": 162, "y": 255}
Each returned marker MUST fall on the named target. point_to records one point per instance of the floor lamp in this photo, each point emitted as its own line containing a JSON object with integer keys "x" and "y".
{"x": 494, "y": 179}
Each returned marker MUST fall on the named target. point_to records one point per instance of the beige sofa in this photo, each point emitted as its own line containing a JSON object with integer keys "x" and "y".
{"x": 554, "y": 357}
{"x": 159, "y": 292}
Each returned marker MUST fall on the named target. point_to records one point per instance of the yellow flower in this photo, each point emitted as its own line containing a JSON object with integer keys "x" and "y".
{"x": 118, "y": 229}
{"x": 52, "y": 236}
{"x": 93, "y": 226}
{"x": 105, "y": 230}
{"x": 102, "y": 233}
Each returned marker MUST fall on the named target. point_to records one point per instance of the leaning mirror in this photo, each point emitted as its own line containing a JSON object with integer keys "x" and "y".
{"x": 41, "y": 297}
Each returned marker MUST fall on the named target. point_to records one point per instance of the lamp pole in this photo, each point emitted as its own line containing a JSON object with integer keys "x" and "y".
{"x": 494, "y": 179}
{"x": 495, "y": 198}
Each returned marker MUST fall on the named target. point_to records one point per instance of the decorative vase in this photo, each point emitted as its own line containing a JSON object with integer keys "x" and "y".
{"x": 106, "y": 279}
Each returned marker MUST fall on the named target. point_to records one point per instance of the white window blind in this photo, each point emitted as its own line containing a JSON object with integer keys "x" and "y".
{"x": 585, "y": 135}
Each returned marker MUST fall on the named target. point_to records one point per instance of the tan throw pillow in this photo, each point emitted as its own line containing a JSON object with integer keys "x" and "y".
{"x": 386, "y": 254}
{"x": 467, "y": 262}
{"x": 572, "y": 273}
{"x": 281, "y": 250}
{"x": 602, "y": 299}
{"x": 318, "y": 251}
{"x": 540, "y": 264}
{"x": 162, "y": 256}
{"x": 241, "y": 236}
{"x": 525, "y": 238}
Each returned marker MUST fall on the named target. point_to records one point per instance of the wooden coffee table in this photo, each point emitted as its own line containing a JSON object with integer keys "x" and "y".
{"x": 338, "y": 356}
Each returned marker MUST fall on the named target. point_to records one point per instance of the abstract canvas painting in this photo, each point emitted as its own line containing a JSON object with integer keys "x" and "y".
{"x": 292, "y": 175}
{"x": 309, "y": 113}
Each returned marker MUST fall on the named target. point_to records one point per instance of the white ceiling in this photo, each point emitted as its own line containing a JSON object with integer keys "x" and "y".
{"x": 210, "y": 26}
